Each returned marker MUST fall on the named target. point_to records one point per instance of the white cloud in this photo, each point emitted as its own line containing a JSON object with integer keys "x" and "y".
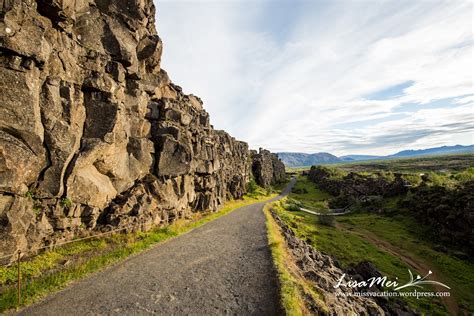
{"x": 464, "y": 100}
{"x": 294, "y": 91}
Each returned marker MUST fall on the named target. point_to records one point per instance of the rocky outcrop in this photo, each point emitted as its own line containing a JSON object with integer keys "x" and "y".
{"x": 93, "y": 134}
{"x": 353, "y": 187}
{"x": 448, "y": 212}
{"x": 267, "y": 168}
{"x": 445, "y": 211}
{"x": 323, "y": 272}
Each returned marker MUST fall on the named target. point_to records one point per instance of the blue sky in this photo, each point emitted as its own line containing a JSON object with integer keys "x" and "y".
{"x": 346, "y": 77}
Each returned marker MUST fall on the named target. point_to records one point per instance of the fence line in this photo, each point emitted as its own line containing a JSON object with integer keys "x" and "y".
{"x": 64, "y": 243}
{"x": 19, "y": 252}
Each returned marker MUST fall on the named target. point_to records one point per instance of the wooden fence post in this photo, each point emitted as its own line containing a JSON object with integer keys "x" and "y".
{"x": 19, "y": 282}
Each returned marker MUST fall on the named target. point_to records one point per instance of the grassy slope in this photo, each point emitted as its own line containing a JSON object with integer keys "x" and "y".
{"x": 55, "y": 269}
{"x": 408, "y": 236}
{"x": 349, "y": 249}
{"x": 400, "y": 231}
{"x": 293, "y": 287}
{"x": 314, "y": 198}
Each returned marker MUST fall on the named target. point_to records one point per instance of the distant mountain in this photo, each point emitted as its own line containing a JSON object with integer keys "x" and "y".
{"x": 359, "y": 157}
{"x": 458, "y": 149}
{"x": 302, "y": 159}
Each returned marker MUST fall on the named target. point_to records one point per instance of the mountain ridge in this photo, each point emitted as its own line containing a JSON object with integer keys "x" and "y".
{"x": 295, "y": 159}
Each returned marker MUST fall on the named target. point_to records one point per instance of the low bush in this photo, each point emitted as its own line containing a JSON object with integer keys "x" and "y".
{"x": 252, "y": 186}
{"x": 299, "y": 190}
{"x": 326, "y": 220}
{"x": 293, "y": 205}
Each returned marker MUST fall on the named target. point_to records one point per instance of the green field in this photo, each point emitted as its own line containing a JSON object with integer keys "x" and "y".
{"x": 309, "y": 195}
{"x": 296, "y": 169}
{"x": 391, "y": 240}
{"x": 442, "y": 164}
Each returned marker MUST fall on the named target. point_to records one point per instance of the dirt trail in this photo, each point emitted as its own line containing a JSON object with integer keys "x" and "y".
{"x": 222, "y": 267}
{"x": 415, "y": 263}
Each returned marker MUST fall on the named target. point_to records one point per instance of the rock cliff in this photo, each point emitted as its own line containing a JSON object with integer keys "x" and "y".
{"x": 93, "y": 134}
{"x": 267, "y": 168}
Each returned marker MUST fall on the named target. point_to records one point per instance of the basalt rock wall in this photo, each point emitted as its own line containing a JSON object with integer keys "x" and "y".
{"x": 356, "y": 186}
{"x": 267, "y": 168}
{"x": 93, "y": 134}
{"x": 449, "y": 212}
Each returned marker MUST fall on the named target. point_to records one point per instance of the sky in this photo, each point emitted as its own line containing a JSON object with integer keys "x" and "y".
{"x": 345, "y": 77}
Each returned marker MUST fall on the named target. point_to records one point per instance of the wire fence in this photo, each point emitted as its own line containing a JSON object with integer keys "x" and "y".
{"x": 63, "y": 243}
{"x": 19, "y": 254}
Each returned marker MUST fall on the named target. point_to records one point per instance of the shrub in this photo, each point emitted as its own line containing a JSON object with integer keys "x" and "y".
{"x": 465, "y": 176}
{"x": 292, "y": 208}
{"x": 387, "y": 175}
{"x": 37, "y": 210}
{"x": 413, "y": 179}
{"x": 434, "y": 179}
{"x": 30, "y": 195}
{"x": 326, "y": 220}
{"x": 293, "y": 205}
{"x": 66, "y": 202}
{"x": 293, "y": 201}
{"x": 252, "y": 186}
{"x": 340, "y": 201}
{"x": 299, "y": 190}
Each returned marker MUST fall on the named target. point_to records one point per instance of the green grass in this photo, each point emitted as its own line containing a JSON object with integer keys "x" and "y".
{"x": 408, "y": 235}
{"x": 55, "y": 269}
{"x": 349, "y": 248}
{"x": 279, "y": 187}
{"x": 440, "y": 163}
{"x": 310, "y": 195}
{"x": 293, "y": 288}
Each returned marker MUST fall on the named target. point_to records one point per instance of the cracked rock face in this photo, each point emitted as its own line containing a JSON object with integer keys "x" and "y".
{"x": 93, "y": 134}
{"x": 267, "y": 168}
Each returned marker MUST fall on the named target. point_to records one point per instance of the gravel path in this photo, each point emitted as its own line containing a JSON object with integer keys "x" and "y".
{"x": 223, "y": 267}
